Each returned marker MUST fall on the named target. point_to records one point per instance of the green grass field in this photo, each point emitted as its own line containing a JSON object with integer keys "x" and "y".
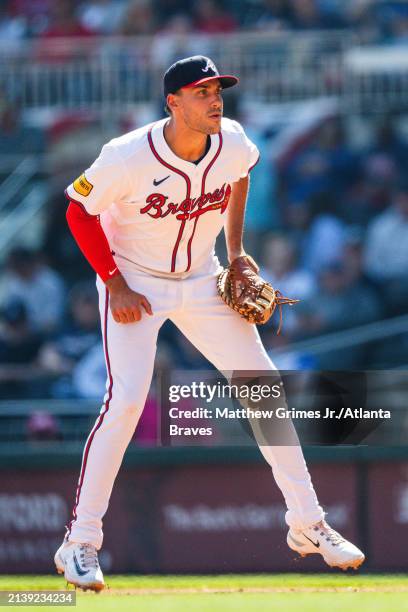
{"x": 236, "y": 593}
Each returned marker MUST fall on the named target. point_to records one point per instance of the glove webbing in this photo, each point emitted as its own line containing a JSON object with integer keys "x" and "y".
{"x": 281, "y": 300}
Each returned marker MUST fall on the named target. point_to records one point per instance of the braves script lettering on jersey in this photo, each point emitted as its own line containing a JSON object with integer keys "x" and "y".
{"x": 172, "y": 230}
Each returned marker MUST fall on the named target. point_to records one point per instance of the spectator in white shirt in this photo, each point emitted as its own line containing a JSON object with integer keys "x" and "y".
{"x": 28, "y": 279}
{"x": 386, "y": 250}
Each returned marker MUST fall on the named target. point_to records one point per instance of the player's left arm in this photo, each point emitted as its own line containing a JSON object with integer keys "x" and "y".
{"x": 234, "y": 223}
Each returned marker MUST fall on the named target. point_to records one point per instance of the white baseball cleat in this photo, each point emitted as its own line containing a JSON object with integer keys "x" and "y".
{"x": 323, "y": 540}
{"x": 79, "y": 563}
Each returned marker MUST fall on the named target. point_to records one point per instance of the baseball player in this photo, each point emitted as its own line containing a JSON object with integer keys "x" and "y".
{"x": 146, "y": 215}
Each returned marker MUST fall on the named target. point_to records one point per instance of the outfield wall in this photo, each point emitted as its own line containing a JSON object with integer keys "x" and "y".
{"x": 204, "y": 510}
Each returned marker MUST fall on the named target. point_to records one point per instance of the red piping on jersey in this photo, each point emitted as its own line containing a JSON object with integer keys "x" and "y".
{"x": 206, "y": 171}
{"x": 98, "y": 422}
{"x": 189, "y": 245}
{"x": 176, "y": 246}
{"x": 188, "y": 194}
{"x": 79, "y": 204}
{"x": 253, "y": 165}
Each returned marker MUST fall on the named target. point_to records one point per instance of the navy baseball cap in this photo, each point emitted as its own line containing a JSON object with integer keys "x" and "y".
{"x": 192, "y": 71}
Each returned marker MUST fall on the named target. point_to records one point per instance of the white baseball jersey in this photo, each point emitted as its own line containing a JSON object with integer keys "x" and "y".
{"x": 161, "y": 216}
{"x": 158, "y": 211}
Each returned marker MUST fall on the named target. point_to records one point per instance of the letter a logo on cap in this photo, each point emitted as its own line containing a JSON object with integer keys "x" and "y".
{"x": 209, "y": 65}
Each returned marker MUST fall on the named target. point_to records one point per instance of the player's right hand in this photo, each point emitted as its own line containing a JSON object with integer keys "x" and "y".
{"x": 126, "y": 305}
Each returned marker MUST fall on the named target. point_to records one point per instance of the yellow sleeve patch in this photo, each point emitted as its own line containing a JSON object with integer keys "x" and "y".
{"x": 82, "y": 185}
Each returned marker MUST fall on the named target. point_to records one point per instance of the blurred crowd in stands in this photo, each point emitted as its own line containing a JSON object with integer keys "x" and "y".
{"x": 339, "y": 242}
{"x": 376, "y": 20}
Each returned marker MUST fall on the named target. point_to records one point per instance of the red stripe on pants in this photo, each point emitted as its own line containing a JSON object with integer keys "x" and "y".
{"x": 99, "y": 420}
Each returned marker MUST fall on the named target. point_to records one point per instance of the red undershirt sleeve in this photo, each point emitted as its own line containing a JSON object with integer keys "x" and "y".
{"x": 92, "y": 241}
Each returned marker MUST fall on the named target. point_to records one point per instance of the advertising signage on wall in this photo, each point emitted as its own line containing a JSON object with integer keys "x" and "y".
{"x": 196, "y": 518}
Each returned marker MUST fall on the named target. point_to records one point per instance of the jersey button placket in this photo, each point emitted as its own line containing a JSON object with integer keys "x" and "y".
{"x": 196, "y": 185}
{"x": 194, "y": 189}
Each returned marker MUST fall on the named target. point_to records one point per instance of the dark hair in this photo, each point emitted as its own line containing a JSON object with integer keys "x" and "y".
{"x": 166, "y": 106}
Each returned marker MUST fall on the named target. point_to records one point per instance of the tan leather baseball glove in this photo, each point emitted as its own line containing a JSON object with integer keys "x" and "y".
{"x": 243, "y": 290}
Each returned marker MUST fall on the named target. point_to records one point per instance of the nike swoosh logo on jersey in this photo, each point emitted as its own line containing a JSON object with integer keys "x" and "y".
{"x": 314, "y": 543}
{"x": 80, "y": 571}
{"x": 156, "y": 182}
{"x": 112, "y": 271}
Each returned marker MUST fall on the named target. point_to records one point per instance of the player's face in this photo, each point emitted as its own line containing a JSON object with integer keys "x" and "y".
{"x": 201, "y": 107}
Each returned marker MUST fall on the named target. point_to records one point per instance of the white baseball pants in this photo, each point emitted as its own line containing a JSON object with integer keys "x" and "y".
{"x": 225, "y": 339}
